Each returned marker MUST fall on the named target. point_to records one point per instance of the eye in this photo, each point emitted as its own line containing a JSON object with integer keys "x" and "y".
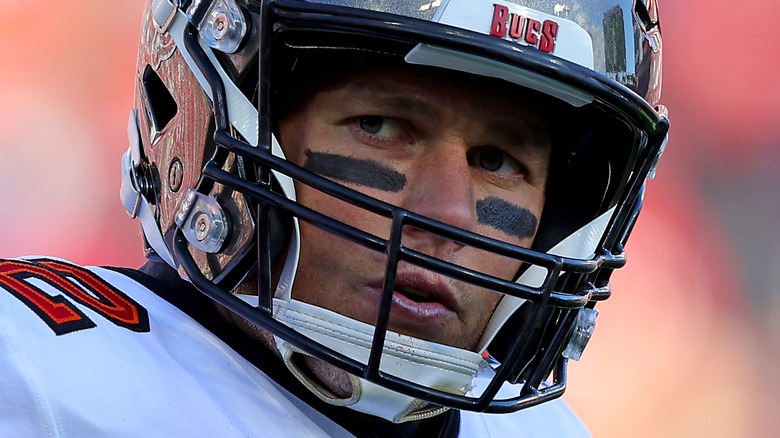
{"x": 380, "y": 126}
{"x": 491, "y": 160}
{"x": 497, "y": 161}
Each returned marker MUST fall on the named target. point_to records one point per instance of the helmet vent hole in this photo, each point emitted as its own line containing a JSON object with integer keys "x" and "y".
{"x": 162, "y": 106}
{"x": 646, "y": 14}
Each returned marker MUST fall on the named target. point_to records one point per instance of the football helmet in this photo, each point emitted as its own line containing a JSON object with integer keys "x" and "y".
{"x": 216, "y": 197}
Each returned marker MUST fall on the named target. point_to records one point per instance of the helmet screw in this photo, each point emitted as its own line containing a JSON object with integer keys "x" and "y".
{"x": 220, "y": 28}
{"x": 202, "y": 226}
{"x": 175, "y": 174}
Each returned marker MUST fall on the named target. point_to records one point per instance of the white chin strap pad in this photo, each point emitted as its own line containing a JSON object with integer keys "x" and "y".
{"x": 425, "y": 363}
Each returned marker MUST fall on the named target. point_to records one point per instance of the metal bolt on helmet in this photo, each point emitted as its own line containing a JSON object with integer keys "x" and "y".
{"x": 210, "y": 74}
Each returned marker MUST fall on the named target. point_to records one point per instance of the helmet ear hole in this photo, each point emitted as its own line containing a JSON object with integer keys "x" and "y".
{"x": 160, "y": 103}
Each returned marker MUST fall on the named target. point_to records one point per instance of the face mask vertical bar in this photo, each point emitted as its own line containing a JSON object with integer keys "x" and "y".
{"x": 386, "y": 301}
{"x": 264, "y": 262}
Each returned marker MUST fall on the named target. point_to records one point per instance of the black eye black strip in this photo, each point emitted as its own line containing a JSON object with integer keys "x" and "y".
{"x": 494, "y": 212}
{"x": 366, "y": 173}
{"x": 509, "y": 218}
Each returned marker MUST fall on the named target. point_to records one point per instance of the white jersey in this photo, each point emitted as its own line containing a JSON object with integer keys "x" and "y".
{"x": 89, "y": 352}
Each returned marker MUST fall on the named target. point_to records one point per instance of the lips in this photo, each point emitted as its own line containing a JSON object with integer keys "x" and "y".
{"x": 415, "y": 295}
{"x": 425, "y": 289}
{"x": 420, "y": 300}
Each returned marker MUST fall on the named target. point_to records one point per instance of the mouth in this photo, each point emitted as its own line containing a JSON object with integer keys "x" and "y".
{"x": 416, "y": 295}
{"x": 423, "y": 305}
{"x": 426, "y": 293}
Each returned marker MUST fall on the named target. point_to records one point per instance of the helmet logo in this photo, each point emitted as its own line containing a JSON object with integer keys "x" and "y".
{"x": 523, "y": 29}
{"x": 522, "y": 25}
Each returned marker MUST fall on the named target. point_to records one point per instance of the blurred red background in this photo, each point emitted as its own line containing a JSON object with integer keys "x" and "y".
{"x": 687, "y": 346}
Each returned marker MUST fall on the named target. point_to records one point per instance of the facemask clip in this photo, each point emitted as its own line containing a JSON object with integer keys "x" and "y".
{"x": 203, "y": 222}
{"x": 583, "y": 330}
{"x": 222, "y": 27}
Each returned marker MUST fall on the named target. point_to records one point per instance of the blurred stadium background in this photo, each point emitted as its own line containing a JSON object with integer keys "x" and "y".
{"x": 687, "y": 347}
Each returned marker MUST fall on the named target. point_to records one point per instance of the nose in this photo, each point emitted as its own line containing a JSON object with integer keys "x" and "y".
{"x": 442, "y": 188}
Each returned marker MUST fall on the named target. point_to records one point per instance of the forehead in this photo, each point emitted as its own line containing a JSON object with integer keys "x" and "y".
{"x": 398, "y": 78}
{"x": 440, "y": 95}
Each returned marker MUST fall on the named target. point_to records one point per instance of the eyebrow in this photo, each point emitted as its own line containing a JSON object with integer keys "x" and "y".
{"x": 527, "y": 132}
{"x": 406, "y": 105}
{"x": 387, "y": 96}
{"x": 530, "y": 130}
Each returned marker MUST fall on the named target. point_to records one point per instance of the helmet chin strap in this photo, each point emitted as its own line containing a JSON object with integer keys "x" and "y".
{"x": 133, "y": 198}
{"x": 422, "y": 362}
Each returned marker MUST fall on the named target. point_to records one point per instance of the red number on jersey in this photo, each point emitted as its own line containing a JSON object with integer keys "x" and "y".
{"x": 76, "y": 283}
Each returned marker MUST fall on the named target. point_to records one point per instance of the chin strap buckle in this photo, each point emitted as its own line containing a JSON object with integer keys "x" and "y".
{"x": 137, "y": 191}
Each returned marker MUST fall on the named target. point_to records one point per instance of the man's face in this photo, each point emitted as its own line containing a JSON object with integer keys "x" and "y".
{"x": 464, "y": 152}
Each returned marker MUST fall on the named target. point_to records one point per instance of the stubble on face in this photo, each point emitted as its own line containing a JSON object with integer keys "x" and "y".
{"x": 318, "y": 278}
{"x": 328, "y": 150}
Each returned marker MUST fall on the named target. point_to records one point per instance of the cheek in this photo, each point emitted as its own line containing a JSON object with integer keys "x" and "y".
{"x": 481, "y": 305}
{"x": 328, "y": 255}
{"x": 513, "y": 219}
{"x": 510, "y": 219}
{"x": 345, "y": 212}
{"x": 506, "y": 217}
{"x": 364, "y": 173}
